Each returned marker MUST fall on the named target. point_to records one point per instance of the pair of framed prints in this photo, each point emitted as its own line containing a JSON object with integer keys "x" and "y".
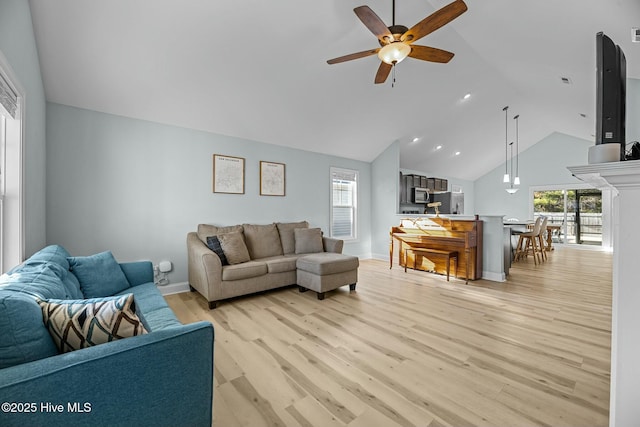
{"x": 228, "y": 176}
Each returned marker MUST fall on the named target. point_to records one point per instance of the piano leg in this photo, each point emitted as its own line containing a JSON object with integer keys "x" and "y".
{"x": 467, "y": 253}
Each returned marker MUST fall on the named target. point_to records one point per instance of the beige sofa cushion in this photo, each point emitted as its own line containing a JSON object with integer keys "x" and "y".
{"x": 327, "y": 263}
{"x": 234, "y": 247}
{"x": 286, "y": 235}
{"x": 308, "y": 240}
{"x": 262, "y": 240}
{"x": 281, "y": 264}
{"x": 206, "y": 230}
{"x": 246, "y": 270}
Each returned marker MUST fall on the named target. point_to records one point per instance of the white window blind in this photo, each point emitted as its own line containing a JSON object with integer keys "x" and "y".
{"x": 344, "y": 183}
{"x": 8, "y": 98}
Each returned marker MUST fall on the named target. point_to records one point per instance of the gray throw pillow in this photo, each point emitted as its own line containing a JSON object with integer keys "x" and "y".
{"x": 285, "y": 229}
{"x": 308, "y": 240}
{"x": 234, "y": 248}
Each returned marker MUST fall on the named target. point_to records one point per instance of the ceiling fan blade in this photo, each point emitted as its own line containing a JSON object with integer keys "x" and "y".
{"x": 373, "y": 23}
{"x": 431, "y": 54}
{"x": 352, "y": 56}
{"x": 434, "y": 21}
{"x": 383, "y": 72}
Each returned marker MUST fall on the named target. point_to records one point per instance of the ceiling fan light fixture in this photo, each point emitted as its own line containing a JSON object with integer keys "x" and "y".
{"x": 394, "y": 53}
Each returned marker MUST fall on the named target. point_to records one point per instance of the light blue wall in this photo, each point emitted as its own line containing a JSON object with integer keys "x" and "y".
{"x": 545, "y": 163}
{"x": 18, "y": 46}
{"x": 385, "y": 178}
{"x": 136, "y": 187}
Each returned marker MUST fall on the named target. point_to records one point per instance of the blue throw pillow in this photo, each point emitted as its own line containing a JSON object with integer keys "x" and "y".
{"x": 214, "y": 244}
{"x": 23, "y": 336}
{"x": 99, "y": 275}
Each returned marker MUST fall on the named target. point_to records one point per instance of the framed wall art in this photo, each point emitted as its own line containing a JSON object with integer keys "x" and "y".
{"x": 228, "y": 174}
{"x": 272, "y": 179}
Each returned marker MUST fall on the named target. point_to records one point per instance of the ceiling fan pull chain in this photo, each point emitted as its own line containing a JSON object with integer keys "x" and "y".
{"x": 393, "y": 76}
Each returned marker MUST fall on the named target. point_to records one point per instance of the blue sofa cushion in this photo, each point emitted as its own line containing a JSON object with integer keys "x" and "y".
{"x": 55, "y": 256}
{"x": 99, "y": 275}
{"x": 80, "y": 324}
{"x": 152, "y": 307}
{"x": 39, "y": 280}
{"x": 23, "y": 336}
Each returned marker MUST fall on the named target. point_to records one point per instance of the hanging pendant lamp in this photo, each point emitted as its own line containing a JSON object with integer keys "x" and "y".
{"x": 516, "y": 180}
{"x": 509, "y": 177}
{"x": 506, "y": 177}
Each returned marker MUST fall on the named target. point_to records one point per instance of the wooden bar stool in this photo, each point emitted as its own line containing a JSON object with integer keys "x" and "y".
{"x": 530, "y": 240}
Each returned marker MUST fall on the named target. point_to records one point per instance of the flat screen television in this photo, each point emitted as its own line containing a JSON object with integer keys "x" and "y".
{"x": 611, "y": 84}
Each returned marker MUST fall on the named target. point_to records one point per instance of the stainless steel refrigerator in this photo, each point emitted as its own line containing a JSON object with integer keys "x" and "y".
{"x": 452, "y": 203}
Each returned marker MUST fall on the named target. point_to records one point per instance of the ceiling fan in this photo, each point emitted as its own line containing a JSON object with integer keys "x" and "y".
{"x": 396, "y": 40}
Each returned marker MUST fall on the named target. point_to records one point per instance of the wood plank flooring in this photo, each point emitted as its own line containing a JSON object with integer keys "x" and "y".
{"x": 411, "y": 349}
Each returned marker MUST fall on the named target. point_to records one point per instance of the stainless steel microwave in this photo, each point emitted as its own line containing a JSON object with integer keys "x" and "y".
{"x": 420, "y": 195}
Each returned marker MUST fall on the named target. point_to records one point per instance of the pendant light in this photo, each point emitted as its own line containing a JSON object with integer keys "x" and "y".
{"x": 516, "y": 180}
{"x": 506, "y": 177}
{"x": 509, "y": 177}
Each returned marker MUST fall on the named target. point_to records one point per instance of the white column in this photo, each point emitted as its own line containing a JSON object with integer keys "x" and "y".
{"x": 625, "y": 338}
{"x": 624, "y": 179}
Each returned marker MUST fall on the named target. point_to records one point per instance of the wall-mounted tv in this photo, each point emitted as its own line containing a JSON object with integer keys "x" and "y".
{"x": 611, "y": 83}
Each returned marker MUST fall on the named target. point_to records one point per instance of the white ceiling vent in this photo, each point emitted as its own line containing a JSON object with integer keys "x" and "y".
{"x": 635, "y": 35}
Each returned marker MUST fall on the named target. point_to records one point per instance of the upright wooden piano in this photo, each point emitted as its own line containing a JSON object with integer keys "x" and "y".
{"x": 463, "y": 236}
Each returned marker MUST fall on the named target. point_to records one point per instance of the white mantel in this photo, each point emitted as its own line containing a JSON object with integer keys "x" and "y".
{"x": 624, "y": 179}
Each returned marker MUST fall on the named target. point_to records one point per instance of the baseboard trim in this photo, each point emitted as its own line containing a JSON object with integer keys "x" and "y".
{"x": 494, "y": 277}
{"x": 174, "y": 288}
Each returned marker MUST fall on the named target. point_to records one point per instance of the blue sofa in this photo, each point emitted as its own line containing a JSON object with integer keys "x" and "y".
{"x": 162, "y": 378}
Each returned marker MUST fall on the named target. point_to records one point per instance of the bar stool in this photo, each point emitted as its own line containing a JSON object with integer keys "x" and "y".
{"x": 530, "y": 240}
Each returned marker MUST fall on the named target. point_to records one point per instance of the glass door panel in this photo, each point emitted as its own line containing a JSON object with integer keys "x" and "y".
{"x": 578, "y": 211}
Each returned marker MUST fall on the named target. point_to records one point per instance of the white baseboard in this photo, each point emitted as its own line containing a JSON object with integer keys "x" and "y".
{"x": 494, "y": 277}
{"x": 174, "y": 288}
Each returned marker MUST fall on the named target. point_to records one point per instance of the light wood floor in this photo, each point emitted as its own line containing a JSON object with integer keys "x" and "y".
{"x": 410, "y": 349}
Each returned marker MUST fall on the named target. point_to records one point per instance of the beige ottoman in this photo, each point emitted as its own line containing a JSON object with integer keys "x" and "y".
{"x": 326, "y": 271}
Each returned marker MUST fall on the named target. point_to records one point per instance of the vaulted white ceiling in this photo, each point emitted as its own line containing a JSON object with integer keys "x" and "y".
{"x": 257, "y": 70}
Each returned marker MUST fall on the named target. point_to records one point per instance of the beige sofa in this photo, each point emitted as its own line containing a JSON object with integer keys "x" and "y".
{"x": 226, "y": 262}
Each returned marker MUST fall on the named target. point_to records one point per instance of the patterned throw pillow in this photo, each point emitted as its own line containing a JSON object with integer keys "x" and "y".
{"x": 214, "y": 244}
{"x": 76, "y": 324}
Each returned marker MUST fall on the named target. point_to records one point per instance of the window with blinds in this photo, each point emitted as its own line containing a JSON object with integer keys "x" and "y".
{"x": 344, "y": 197}
{"x": 8, "y": 98}
{"x": 11, "y": 170}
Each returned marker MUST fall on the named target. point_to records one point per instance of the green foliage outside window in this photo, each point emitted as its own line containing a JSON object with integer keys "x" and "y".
{"x": 553, "y": 201}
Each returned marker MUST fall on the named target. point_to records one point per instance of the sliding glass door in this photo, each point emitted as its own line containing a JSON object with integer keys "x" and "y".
{"x": 577, "y": 212}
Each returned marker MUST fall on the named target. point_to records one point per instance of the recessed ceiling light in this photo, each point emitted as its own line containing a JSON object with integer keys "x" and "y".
{"x": 457, "y": 153}
{"x": 438, "y": 147}
{"x": 416, "y": 139}
{"x": 467, "y": 96}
